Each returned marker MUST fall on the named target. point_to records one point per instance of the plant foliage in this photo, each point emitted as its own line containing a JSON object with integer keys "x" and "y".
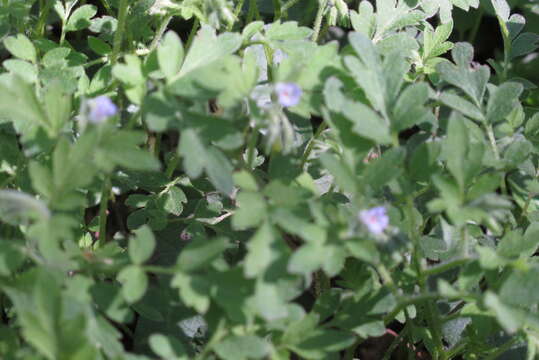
{"x": 217, "y": 179}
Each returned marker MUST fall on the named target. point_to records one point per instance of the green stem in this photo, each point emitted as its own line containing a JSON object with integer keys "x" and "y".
{"x": 239, "y": 6}
{"x": 321, "y": 283}
{"x": 506, "y": 48}
{"x": 253, "y": 139}
{"x": 473, "y": 32}
{"x": 172, "y": 164}
{"x": 318, "y": 19}
{"x": 100, "y": 60}
{"x": 120, "y": 30}
{"x": 160, "y": 270}
{"x": 432, "y": 313}
{"x": 395, "y": 343}
{"x": 44, "y": 14}
{"x": 416, "y": 255}
{"x": 433, "y": 319}
{"x": 103, "y": 206}
{"x": 387, "y": 279}
{"x": 287, "y": 5}
{"x": 351, "y": 351}
{"x": 253, "y": 13}
{"x": 457, "y": 349}
{"x": 219, "y": 333}
{"x": 160, "y": 32}
{"x": 496, "y": 354}
{"x": 107, "y": 7}
{"x": 441, "y": 268}
{"x": 192, "y": 34}
{"x": 276, "y": 10}
{"x": 407, "y": 302}
{"x": 524, "y": 209}
{"x": 63, "y": 33}
{"x": 324, "y": 31}
{"x": 311, "y": 143}
{"x": 492, "y": 141}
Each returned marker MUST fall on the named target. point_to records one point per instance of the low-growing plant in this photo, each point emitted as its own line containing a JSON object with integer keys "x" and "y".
{"x": 216, "y": 179}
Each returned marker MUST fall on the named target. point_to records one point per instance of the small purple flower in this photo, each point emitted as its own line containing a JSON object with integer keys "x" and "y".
{"x": 101, "y": 108}
{"x": 288, "y": 94}
{"x": 375, "y": 219}
{"x": 186, "y": 235}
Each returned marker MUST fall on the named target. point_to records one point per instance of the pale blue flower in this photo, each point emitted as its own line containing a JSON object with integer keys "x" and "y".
{"x": 101, "y": 108}
{"x": 375, "y": 219}
{"x": 288, "y": 94}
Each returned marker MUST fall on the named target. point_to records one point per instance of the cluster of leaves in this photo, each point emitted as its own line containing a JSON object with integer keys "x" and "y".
{"x": 208, "y": 219}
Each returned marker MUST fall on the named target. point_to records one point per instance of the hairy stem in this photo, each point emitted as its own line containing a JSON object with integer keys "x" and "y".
{"x": 478, "y": 19}
{"x": 44, "y": 13}
{"x": 287, "y": 5}
{"x": 311, "y": 143}
{"x": 103, "y": 206}
{"x": 318, "y": 20}
{"x": 506, "y": 346}
{"x": 160, "y": 32}
{"x": 120, "y": 30}
{"x": 276, "y": 10}
{"x": 441, "y": 268}
{"x": 192, "y": 34}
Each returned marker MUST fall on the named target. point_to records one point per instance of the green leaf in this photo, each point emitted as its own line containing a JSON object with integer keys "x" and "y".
{"x": 170, "y": 54}
{"x": 472, "y": 81}
{"x": 367, "y": 70}
{"x": 207, "y": 48}
{"x": 320, "y": 342}
{"x": 524, "y": 44}
{"x": 80, "y": 18}
{"x": 307, "y": 259}
{"x": 24, "y": 69}
{"x": 510, "y": 319}
{"x": 242, "y": 348}
{"x": 435, "y": 44}
{"x": 20, "y": 104}
{"x": 463, "y": 157}
{"x": 194, "y": 290}
{"x": 166, "y": 346}
{"x": 120, "y": 148}
{"x": 363, "y": 21}
{"x": 262, "y": 251}
{"x": 57, "y": 104}
{"x": 200, "y": 252}
{"x": 18, "y": 208}
{"x": 129, "y": 73}
{"x": 409, "y": 109}
{"x": 134, "y": 283}
{"x": 219, "y": 170}
{"x": 197, "y": 156}
{"x": 343, "y": 175}
{"x": 142, "y": 245}
{"x": 287, "y": 31}
{"x": 20, "y": 46}
{"x": 462, "y": 105}
{"x": 502, "y": 9}
{"x": 366, "y": 122}
{"x": 518, "y": 152}
{"x": 174, "y": 198}
{"x": 384, "y": 169}
{"x": 11, "y": 259}
{"x": 99, "y": 46}
{"x": 193, "y": 150}
{"x": 514, "y": 244}
{"x": 503, "y": 99}
{"x": 251, "y": 210}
